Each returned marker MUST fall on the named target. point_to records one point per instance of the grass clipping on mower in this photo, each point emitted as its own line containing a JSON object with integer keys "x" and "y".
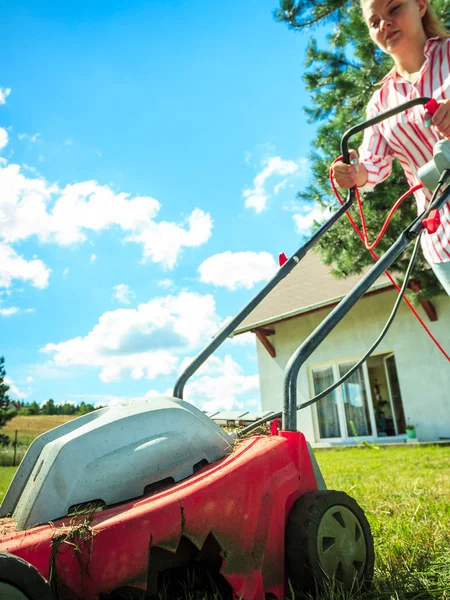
{"x": 78, "y": 535}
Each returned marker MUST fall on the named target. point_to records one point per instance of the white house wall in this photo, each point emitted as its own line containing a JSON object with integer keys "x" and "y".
{"x": 423, "y": 372}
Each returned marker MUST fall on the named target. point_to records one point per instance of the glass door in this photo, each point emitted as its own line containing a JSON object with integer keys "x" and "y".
{"x": 354, "y": 396}
{"x": 327, "y": 408}
{"x": 395, "y": 395}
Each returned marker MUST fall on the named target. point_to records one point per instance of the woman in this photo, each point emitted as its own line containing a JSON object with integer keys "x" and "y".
{"x": 409, "y": 31}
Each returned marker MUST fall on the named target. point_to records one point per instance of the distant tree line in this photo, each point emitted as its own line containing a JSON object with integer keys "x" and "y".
{"x": 51, "y": 408}
{"x": 5, "y": 411}
{"x": 10, "y": 408}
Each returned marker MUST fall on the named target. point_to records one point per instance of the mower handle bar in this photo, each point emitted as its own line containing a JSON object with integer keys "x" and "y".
{"x": 293, "y": 366}
{"x": 370, "y": 122}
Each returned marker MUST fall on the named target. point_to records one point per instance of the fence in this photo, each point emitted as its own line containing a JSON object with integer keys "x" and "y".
{"x": 11, "y": 455}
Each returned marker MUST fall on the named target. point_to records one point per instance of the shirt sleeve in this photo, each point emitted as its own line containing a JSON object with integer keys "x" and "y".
{"x": 375, "y": 153}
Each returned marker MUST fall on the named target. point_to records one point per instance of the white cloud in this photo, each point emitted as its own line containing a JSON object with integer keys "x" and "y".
{"x": 258, "y": 196}
{"x": 4, "y": 93}
{"x": 238, "y": 269}
{"x": 222, "y": 385}
{"x": 217, "y": 385}
{"x": 3, "y": 137}
{"x": 243, "y": 339}
{"x": 154, "y": 394}
{"x": 123, "y": 293}
{"x": 93, "y": 258}
{"x": 13, "y": 266}
{"x": 66, "y": 272}
{"x": 163, "y": 241}
{"x": 280, "y": 186}
{"x": 304, "y": 222}
{"x": 97, "y": 400}
{"x": 14, "y": 392}
{"x": 30, "y": 379}
{"x": 143, "y": 342}
{"x": 33, "y": 170}
{"x": 29, "y": 138}
{"x": 65, "y": 216}
{"x": 165, "y": 283}
{"x": 7, "y": 312}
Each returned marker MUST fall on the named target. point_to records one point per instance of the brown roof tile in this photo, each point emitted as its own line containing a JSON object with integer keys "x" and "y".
{"x": 308, "y": 286}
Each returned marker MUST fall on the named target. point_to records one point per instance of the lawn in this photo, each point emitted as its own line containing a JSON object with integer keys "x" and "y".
{"x": 405, "y": 493}
{"x": 6, "y": 474}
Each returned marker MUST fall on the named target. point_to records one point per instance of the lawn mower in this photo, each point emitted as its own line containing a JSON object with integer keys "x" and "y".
{"x": 109, "y": 505}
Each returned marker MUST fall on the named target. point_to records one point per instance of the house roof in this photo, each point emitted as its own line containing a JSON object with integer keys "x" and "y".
{"x": 307, "y": 287}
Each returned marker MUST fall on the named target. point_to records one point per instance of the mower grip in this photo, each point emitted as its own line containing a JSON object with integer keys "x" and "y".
{"x": 430, "y": 104}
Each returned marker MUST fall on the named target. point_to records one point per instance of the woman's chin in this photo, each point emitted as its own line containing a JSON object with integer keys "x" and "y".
{"x": 394, "y": 41}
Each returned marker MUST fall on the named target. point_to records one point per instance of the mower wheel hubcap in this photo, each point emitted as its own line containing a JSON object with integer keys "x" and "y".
{"x": 341, "y": 546}
{"x": 9, "y": 592}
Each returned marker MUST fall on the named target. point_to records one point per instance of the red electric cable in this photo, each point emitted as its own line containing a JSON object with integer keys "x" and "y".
{"x": 370, "y": 247}
{"x": 388, "y": 218}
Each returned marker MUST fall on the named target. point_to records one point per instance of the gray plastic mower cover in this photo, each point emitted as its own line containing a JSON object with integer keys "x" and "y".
{"x": 111, "y": 454}
{"x": 430, "y": 173}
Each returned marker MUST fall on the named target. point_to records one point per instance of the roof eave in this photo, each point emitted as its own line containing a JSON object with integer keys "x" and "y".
{"x": 303, "y": 310}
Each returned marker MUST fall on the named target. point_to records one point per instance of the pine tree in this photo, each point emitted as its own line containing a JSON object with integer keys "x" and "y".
{"x": 340, "y": 79}
{"x": 49, "y": 408}
{"x": 5, "y": 413}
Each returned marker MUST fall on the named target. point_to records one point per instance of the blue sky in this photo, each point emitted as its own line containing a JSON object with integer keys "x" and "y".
{"x": 150, "y": 157}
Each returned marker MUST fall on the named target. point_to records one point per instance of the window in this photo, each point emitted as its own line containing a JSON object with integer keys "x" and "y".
{"x": 354, "y": 393}
{"x": 367, "y": 404}
{"x": 327, "y": 411}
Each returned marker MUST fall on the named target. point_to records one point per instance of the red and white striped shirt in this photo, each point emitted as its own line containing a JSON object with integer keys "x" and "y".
{"x": 406, "y": 138}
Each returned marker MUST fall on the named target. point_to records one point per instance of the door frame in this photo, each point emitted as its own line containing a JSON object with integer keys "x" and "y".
{"x": 340, "y": 402}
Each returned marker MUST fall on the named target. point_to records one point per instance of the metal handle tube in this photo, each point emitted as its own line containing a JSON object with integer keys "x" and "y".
{"x": 231, "y": 326}
{"x": 305, "y": 350}
{"x": 328, "y": 324}
{"x": 370, "y": 122}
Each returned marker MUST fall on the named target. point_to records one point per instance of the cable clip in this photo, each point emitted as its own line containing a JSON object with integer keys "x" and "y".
{"x": 432, "y": 222}
{"x": 282, "y": 258}
{"x": 275, "y": 426}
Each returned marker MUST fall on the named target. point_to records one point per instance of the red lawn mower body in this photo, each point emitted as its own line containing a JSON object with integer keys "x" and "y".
{"x": 242, "y": 501}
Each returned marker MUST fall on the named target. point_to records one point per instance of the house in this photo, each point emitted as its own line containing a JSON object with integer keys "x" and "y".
{"x": 10, "y": 405}
{"x": 237, "y": 418}
{"x": 407, "y": 379}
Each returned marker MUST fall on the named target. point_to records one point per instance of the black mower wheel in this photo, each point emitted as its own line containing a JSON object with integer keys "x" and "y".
{"x": 328, "y": 543}
{"x": 21, "y": 581}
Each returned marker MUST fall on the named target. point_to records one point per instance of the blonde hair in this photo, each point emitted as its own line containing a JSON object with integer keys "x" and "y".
{"x": 432, "y": 25}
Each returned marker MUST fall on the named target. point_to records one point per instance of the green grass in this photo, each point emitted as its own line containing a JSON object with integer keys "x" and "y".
{"x": 6, "y": 474}
{"x": 7, "y": 457}
{"x": 405, "y": 493}
{"x": 28, "y": 428}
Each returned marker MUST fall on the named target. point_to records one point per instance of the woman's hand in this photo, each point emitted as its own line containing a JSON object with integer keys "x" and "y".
{"x": 441, "y": 118}
{"x": 347, "y": 176}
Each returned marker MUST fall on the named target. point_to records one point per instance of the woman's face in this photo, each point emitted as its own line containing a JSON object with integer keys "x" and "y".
{"x": 395, "y": 25}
